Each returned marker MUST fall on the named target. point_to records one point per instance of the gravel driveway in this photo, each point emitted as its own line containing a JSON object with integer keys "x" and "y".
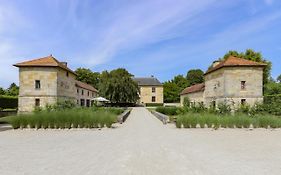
{"x": 142, "y": 145}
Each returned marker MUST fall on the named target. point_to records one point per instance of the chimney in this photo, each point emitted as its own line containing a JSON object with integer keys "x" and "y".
{"x": 64, "y": 63}
{"x": 152, "y": 76}
{"x": 215, "y": 63}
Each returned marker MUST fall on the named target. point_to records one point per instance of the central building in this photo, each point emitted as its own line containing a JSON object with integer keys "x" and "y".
{"x": 151, "y": 91}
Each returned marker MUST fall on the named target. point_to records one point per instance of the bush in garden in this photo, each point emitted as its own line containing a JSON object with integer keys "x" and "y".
{"x": 224, "y": 108}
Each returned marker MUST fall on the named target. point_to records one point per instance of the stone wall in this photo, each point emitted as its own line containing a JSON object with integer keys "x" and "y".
{"x": 146, "y": 94}
{"x": 197, "y": 97}
{"x": 66, "y": 85}
{"x": 28, "y": 93}
{"x": 86, "y": 95}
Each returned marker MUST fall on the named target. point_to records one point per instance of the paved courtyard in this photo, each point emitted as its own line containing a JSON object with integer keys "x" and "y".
{"x": 142, "y": 145}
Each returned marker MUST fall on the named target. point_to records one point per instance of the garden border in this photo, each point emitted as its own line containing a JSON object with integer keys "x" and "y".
{"x": 123, "y": 117}
{"x": 162, "y": 117}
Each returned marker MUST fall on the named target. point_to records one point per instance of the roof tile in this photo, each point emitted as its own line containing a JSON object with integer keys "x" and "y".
{"x": 192, "y": 89}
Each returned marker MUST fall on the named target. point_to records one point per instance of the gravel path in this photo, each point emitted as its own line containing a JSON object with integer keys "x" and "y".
{"x": 142, "y": 145}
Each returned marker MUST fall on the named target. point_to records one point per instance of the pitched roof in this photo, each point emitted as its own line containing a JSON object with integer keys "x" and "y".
{"x": 85, "y": 86}
{"x": 48, "y": 61}
{"x": 192, "y": 89}
{"x": 148, "y": 81}
{"x": 232, "y": 61}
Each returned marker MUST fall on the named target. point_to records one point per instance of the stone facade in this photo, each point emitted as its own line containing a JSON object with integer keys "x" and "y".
{"x": 234, "y": 82}
{"x": 148, "y": 95}
{"x": 85, "y": 96}
{"x": 225, "y": 86}
{"x": 151, "y": 90}
{"x": 46, "y": 81}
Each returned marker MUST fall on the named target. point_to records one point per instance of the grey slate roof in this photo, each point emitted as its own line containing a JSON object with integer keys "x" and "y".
{"x": 147, "y": 81}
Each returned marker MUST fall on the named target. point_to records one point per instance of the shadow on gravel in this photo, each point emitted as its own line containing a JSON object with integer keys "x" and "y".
{"x": 5, "y": 127}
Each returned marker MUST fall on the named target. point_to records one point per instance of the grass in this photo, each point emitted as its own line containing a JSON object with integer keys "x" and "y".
{"x": 193, "y": 120}
{"x": 76, "y": 118}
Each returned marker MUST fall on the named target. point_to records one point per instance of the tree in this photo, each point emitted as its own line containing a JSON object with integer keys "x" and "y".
{"x": 279, "y": 79}
{"x": 250, "y": 54}
{"x": 2, "y": 91}
{"x": 180, "y": 81}
{"x": 171, "y": 92}
{"x": 195, "y": 76}
{"x": 13, "y": 90}
{"x": 272, "y": 88}
{"x": 87, "y": 76}
{"x": 118, "y": 86}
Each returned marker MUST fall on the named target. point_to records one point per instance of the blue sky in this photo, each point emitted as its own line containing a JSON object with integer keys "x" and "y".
{"x": 148, "y": 37}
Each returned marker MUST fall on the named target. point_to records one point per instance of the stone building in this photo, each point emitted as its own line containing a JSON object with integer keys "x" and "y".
{"x": 234, "y": 81}
{"x": 151, "y": 91}
{"x": 46, "y": 81}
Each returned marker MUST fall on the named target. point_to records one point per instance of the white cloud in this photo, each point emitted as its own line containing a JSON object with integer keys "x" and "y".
{"x": 269, "y": 2}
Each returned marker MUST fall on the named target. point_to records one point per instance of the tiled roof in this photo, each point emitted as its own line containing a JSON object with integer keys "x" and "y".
{"x": 85, "y": 86}
{"x": 234, "y": 62}
{"x": 192, "y": 89}
{"x": 48, "y": 61}
{"x": 149, "y": 81}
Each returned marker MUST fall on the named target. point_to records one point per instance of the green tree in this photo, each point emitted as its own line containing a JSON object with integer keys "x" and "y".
{"x": 272, "y": 88}
{"x": 195, "y": 76}
{"x": 171, "y": 92}
{"x": 118, "y": 86}
{"x": 13, "y": 90}
{"x": 180, "y": 81}
{"x": 2, "y": 91}
{"x": 279, "y": 79}
{"x": 87, "y": 76}
{"x": 250, "y": 54}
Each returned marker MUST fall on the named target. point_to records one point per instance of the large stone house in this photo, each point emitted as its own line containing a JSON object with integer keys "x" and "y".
{"x": 151, "y": 91}
{"x": 46, "y": 81}
{"x": 234, "y": 81}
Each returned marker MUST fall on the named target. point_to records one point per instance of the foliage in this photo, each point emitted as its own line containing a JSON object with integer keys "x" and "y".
{"x": 195, "y": 76}
{"x": 8, "y": 102}
{"x": 13, "y": 90}
{"x": 118, "y": 86}
{"x": 82, "y": 118}
{"x": 186, "y": 102}
{"x": 279, "y": 79}
{"x": 171, "y": 92}
{"x": 223, "y": 108}
{"x": 272, "y": 88}
{"x": 87, "y": 76}
{"x": 153, "y": 104}
{"x": 272, "y": 104}
{"x": 167, "y": 110}
{"x": 192, "y": 120}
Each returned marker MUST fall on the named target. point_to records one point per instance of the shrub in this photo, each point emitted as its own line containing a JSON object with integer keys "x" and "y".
{"x": 186, "y": 102}
{"x": 8, "y": 102}
{"x": 153, "y": 104}
{"x": 168, "y": 110}
{"x": 224, "y": 108}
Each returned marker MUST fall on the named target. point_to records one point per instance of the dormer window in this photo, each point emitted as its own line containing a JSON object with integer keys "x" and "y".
{"x": 243, "y": 85}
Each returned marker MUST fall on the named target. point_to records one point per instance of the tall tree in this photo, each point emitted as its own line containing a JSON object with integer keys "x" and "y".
{"x": 195, "y": 76}
{"x": 118, "y": 86}
{"x": 171, "y": 92}
{"x": 2, "y": 91}
{"x": 13, "y": 90}
{"x": 250, "y": 54}
{"x": 279, "y": 79}
{"x": 87, "y": 76}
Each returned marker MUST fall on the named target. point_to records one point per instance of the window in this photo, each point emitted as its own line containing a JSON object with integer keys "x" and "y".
{"x": 153, "y": 89}
{"x": 82, "y": 92}
{"x": 243, "y": 101}
{"x": 37, "y": 102}
{"x": 82, "y": 102}
{"x": 88, "y": 93}
{"x": 93, "y": 94}
{"x": 243, "y": 85}
{"x": 77, "y": 91}
{"x": 37, "y": 84}
{"x": 67, "y": 74}
{"x": 88, "y": 103}
{"x": 214, "y": 104}
{"x": 153, "y": 99}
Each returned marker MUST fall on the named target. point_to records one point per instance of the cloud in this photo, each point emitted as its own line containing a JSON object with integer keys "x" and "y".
{"x": 268, "y": 2}
{"x": 138, "y": 24}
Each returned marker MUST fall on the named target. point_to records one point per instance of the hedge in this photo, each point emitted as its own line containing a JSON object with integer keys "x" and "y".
{"x": 8, "y": 102}
{"x": 273, "y": 104}
{"x": 153, "y": 104}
